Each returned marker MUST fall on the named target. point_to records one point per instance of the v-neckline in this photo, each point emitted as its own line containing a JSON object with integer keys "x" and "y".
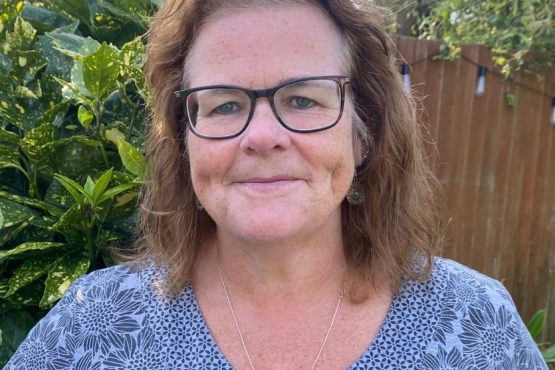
{"x": 395, "y": 304}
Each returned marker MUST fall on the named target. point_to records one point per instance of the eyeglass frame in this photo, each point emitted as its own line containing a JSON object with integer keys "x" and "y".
{"x": 342, "y": 81}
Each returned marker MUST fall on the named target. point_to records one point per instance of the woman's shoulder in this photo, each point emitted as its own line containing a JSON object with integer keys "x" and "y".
{"x": 478, "y": 325}
{"x": 127, "y": 276}
{"x": 467, "y": 283}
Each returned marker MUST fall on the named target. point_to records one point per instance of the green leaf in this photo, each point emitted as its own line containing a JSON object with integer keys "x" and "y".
{"x": 85, "y": 116}
{"x": 23, "y": 92}
{"x": 14, "y": 213}
{"x": 8, "y": 151}
{"x": 43, "y": 20}
{"x": 61, "y": 153}
{"x": 115, "y": 191}
{"x": 33, "y": 142}
{"x": 55, "y": 115}
{"x": 22, "y": 36}
{"x": 1, "y": 219}
{"x": 12, "y": 161}
{"x": 73, "y": 188}
{"x": 101, "y": 185}
{"x": 536, "y": 323}
{"x": 510, "y": 99}
{"x": 58, "y": 195}
{"x": 9, "y": 10}
{"x": 29, "y": 271}
{"x": 75, "y": 9}
{"x": 15, "y": 325}
{"x": 74, "y": 158}
{"x": 26, "y": 250}
{"x": 114, "y": 135}
{"x": 29, "y": 295}
{"x": 549, "y": 354}
{"x": 13, "y": 112}
{"x": 32, "y": 202}
{"x": 9, "y": 137}
{"x": 121, "y": 206}
{"x": 100, "y": 71}
{"x": 64, "y": 273}
{"x": 74, "y": 46}
{"x": 135, "y": 11}
{"x": 132, "y": 159}
{"x": 59, "y": 64}
{"x": 71, "y": 219}
{"x": 132, "y": 58}
{"x": 75, "y": 91}
{"x": 8, "y": 234}
{"x": 133, "y": 54}
{"x": 78, "y": 81}
{"x": 4, "y": 286}
{"x": 89, "y": 187}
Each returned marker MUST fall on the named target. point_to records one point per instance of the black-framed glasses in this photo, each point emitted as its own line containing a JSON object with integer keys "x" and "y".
{"x": 302, "y": 105}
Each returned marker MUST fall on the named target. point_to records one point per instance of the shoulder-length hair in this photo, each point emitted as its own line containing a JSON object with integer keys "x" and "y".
{"x": 398, "y": 221}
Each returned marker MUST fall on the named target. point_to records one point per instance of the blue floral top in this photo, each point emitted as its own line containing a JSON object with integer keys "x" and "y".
{"x": 458, "y": 319}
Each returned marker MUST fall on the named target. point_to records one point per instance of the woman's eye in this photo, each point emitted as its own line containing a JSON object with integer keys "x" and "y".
{"x": 302, "y": 102}
{"x": 226, "y": 108}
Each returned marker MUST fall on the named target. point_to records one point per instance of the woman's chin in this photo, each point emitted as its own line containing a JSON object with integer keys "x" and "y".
{"x": 268, "y": 228}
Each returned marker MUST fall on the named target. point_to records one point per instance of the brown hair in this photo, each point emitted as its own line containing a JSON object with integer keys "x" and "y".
{"x": 399, "y": 218}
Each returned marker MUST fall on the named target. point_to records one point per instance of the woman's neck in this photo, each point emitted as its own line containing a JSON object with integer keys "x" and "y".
{"x": 304, "y": 271}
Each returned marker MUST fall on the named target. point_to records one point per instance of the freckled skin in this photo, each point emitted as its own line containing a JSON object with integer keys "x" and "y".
{"x": 258, "y": 49}
{"x": 281, "y": 249}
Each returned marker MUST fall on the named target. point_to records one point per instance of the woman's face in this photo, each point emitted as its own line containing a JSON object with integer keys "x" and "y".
{"x": 270, "y": 184}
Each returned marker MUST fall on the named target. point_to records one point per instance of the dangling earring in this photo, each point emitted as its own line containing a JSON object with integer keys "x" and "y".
{"x": 198, "y": 204}
{"x": 355, "y": 195}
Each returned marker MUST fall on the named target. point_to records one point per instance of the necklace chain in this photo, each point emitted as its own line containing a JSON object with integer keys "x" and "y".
{"x": 241, "y": 334}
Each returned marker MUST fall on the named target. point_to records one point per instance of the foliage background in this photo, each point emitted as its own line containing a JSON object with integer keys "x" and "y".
{"x": 520, "y": 33}
{"x": 72, "y": 109}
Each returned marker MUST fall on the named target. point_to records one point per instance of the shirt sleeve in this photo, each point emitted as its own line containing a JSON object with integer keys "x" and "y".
{"x": 480, "y": 326}
{"x": 49, "y": 344}
{"x": 526, "y": 354}
{"x": 99, "y": 323}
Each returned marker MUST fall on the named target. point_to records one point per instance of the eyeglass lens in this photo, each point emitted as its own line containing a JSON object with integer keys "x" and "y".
{"x": 305, "y": 105}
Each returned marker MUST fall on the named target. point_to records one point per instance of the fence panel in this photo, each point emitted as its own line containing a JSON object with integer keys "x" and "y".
{"x": 497, "y": 165}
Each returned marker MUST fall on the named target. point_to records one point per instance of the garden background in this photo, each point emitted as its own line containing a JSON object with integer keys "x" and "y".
{"x": 72, "y": 119}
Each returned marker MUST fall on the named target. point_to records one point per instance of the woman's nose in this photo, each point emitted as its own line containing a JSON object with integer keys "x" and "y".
{"x": 264, "y": 132}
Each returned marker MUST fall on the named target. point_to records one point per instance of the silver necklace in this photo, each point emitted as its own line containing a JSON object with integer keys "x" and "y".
{"x": 241, "y": 334}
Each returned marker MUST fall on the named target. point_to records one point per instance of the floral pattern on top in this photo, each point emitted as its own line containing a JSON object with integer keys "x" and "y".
{"x": 457, "y": 319}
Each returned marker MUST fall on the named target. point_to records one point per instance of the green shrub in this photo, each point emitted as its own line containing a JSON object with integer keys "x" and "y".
{"x": 72, "y": 110}
{"x": 535, "y": 327}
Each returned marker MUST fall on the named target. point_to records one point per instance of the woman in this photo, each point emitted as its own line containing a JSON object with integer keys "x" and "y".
{"x": 290, "y": 220}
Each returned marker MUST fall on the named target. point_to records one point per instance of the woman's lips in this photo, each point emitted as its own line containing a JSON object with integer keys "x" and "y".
{"x": 266, "y": 180}
{"x": 268, "y": 184}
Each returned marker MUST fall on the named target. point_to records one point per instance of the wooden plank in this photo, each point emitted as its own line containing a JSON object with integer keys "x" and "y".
{"x": 502, "y": 177}
{"x": 472, "y": 170}
{"x": 448, "y": 123}
{"x": 496, "y": 164}
{"x": 460, "y": 140}
{"x": 538, "y": 266}
{"x": 548, "y": 234}
{"x": 530, "y": 113}
{"x": 483, "y": 222}
{"x": 532, "y": 104}
{"x": 405, "y": 50}
{"x": 509, "y": 235}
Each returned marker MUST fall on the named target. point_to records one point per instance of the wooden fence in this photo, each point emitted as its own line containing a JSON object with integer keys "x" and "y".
{"x": 497, "y": 164}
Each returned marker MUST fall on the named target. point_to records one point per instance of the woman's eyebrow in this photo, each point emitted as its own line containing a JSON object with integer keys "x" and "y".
{"x": 220, "y": 91}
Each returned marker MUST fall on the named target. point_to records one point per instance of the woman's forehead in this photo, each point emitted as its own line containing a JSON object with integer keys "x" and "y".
{"x": 262, "y": 46}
